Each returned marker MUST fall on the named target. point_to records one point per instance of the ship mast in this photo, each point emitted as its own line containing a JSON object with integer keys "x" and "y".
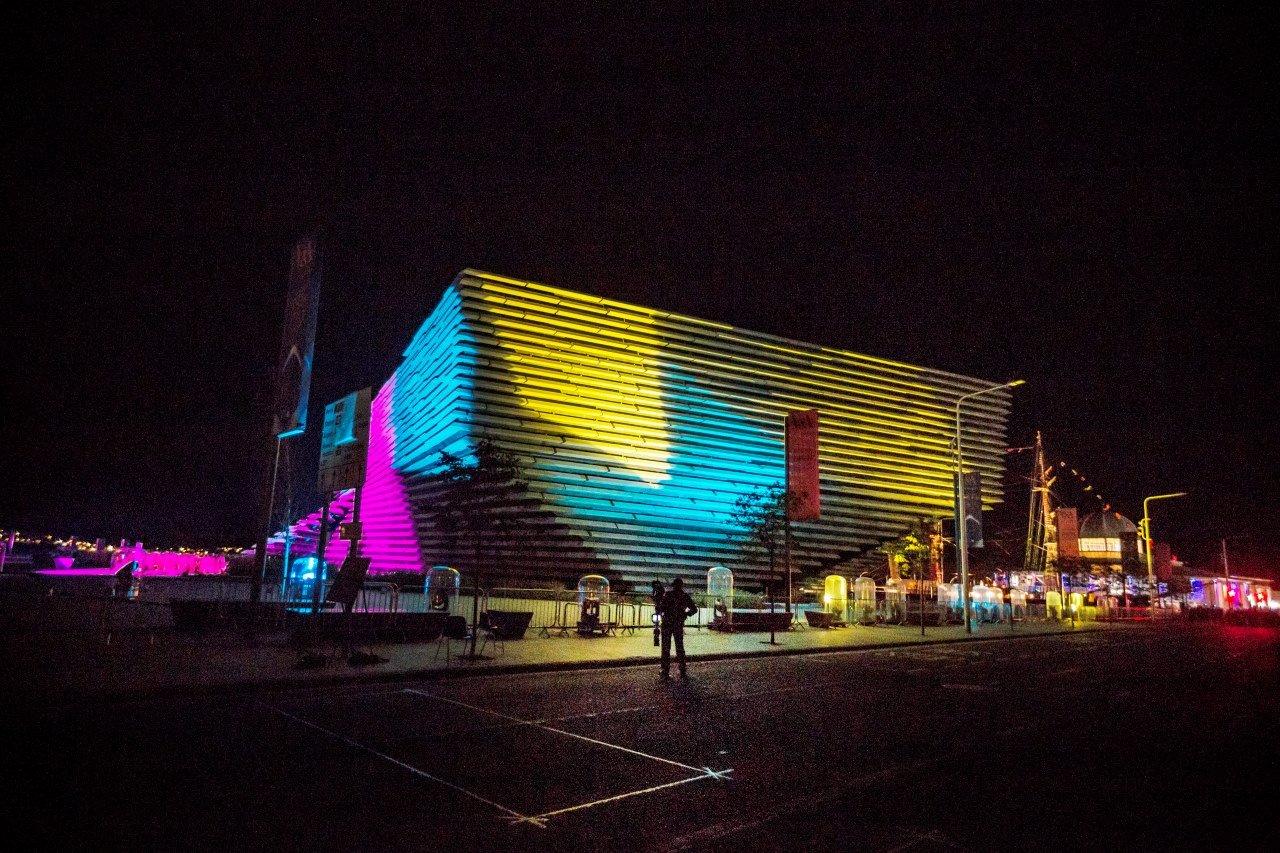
{"x": 1041, "y": 555}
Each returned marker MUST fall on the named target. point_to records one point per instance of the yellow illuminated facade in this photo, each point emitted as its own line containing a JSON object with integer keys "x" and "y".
{"x": 639, "y": 428}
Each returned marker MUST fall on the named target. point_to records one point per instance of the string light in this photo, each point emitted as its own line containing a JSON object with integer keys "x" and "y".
{"x": 1086, "y": 486}
{"x": 81, "y": 544}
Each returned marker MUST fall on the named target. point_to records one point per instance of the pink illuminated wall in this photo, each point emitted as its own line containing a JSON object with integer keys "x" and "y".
{"x": 306, "y": 532}
{"x": 389, "y": 539}
{"x": 414, "y": 416}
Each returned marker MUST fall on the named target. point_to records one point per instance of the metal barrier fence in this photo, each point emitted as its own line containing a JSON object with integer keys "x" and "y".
{"x": 559, "y": 609}
{"x": 552, "y": 610}
{"x": 374, "y": 596}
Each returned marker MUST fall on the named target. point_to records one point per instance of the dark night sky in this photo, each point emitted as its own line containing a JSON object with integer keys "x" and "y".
{"x": 1082, "y": 198}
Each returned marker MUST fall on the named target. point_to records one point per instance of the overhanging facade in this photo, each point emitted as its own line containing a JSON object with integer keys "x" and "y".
{"x": 639, "y": 429}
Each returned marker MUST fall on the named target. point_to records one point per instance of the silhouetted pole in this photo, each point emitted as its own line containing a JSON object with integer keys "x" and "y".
{"x": 317, "y": 594}
{"x": 269, "y": 510}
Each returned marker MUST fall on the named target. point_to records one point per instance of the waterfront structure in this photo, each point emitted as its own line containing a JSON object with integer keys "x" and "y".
{"x": 638, "y": 429}
{"x": 1233, "y": 592}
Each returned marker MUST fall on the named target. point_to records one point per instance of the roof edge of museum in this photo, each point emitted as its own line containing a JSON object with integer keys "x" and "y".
{"x": 603, "y": 300}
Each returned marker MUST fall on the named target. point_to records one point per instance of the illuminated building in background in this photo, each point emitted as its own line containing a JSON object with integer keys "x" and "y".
{"x": 1109, "y": 537}
{"x": 1233, "y": 592}
{"x": 639, "y": 429}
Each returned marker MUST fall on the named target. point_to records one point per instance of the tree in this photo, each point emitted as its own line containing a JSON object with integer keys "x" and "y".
{"x": 480, "y": 507}
{"x": 760, "y": 525}
{"x": 910, "y": 551}
{"x": 478, "y": 503}
{"x": 910, "y": 554}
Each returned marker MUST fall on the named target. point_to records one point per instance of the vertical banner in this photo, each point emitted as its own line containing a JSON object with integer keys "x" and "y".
{"x": 1162, "y": 557}
{"x": 298, "y": 342}
{"x": 802, "y": 465}
{"x": 973, "y": 508}
{"x": 1068, "y": 523}
{"x": 344, "y": 442}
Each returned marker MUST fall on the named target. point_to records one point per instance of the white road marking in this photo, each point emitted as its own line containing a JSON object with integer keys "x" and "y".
{"x": 511, "y": 813}
{"x": 574, "y": 735}
{"x": 606, "y": 713}
{"x": 710, "y": 774}
{"x": 934, "y": 836}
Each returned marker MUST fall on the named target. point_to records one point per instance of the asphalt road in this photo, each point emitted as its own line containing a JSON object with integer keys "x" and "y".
{"x": 1145, "y": 737}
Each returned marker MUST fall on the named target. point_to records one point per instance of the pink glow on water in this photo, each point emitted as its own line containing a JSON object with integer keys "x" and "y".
{"x": 151, "y": 564}
{"x": 169, "y": 563}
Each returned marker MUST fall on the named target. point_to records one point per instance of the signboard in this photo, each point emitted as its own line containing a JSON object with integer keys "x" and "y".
{"x": 298, "y": 342}
{"x": 802, "y": 466}
{"x": 973, "y": 508}
{"x": 346, "y": 584}
{"x": 344, "y": 442}
{"x": 1068, "y": 522}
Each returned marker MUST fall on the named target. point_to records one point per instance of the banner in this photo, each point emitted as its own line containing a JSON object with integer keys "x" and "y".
{"x": 298, "y": 342}
{"x": 1162, "y": 557}
{"x": 344, "y": 442}
{"x": 1068, "y": 523}
{"x": 973, "y": 508}
{"x": 802, "y": 466}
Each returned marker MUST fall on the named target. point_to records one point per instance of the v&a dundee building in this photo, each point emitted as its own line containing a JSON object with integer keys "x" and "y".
{"x": 637, "y": 430}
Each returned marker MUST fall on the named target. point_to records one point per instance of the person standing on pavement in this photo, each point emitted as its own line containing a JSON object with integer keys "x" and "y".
{"x": 676, "y": 606}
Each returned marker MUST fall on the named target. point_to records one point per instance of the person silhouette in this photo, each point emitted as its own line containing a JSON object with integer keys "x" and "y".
{"x": 676, "y": 606}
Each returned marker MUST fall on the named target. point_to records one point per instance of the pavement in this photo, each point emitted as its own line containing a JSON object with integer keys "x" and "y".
{"x": 58, "y": 650}
{"x": 1142, "y": 737}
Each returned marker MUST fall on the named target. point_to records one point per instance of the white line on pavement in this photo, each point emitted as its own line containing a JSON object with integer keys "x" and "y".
{"x": 515, "y": 815}
{"x": 716, "y": 774}
{"x": 575, "y": 735}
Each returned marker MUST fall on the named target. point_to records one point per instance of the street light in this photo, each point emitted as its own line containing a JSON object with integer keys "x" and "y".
{"x": 1145, "y": 526}
{"x": 962, "y": 527}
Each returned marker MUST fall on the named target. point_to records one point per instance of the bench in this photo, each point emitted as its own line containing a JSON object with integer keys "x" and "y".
{"x": 819, "y": 619}
{"x": 509, "y": 624}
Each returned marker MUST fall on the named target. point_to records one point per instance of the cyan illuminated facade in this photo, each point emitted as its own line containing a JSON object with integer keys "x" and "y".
{"x": 638, "y": 429}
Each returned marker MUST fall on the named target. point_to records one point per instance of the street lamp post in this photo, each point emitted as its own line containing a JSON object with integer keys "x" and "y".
{"x": 1146, "y": 535}
{"x": 962, "y": 528}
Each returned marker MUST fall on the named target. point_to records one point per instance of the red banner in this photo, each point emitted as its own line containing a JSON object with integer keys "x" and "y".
{"x": 1068, "y": 522}
{"x": 1162, "y": 558}
{"x": 802, "y": 466}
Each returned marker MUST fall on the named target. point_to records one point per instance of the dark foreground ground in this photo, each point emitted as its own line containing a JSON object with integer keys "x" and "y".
{"x": 1145, "y": 737}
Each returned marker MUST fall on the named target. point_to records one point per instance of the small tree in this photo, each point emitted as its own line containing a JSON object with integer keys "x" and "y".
{"x": 477, "y": 501}
{"x": 760, "y": 525}
{"x": 910, "y": 555}
{"x": 480, "y": 507}
{"x": 910, "y": 551}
